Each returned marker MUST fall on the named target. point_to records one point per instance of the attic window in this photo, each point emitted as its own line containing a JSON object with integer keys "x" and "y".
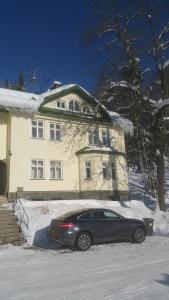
{"x": 74, "y": 105}
{"x": 86, "y": 110}
{"x": 60, "y": 104}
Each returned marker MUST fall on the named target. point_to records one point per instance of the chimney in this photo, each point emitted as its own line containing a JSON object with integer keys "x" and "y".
{"x": 55, "y": 85}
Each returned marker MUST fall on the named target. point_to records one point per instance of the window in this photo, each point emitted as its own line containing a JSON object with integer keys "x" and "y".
{"x": 93, "y": 215}
{"x": 37, "y": 169}
{"x": 56, "y": 169}
{"x": 113, "y": 168}
{"x": 93, "y": 137}
{"x": 105, "y": 165}
{"x": 110, "y": 215}
{"x": 56, "y": 131}
{"x": 74, "y": 105}
{"x": 61, "y": 104}
{"x": 86, "y": 110}
{"x": 106, "y": 138}
{"x": 100, "y": 215}
{"x": 88, "y": 173}
{"x": 37, "y": 129}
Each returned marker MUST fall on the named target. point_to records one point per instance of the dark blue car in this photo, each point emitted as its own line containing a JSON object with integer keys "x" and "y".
{"x": 80, "y": 229}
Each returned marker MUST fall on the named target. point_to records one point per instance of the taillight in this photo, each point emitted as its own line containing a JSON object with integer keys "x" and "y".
{"x": 66, "y": 225}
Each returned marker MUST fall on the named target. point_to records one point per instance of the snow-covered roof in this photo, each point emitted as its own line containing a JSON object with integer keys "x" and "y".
{"x": 30, "y": 102}
{"x": 124, "y": 123}
{"x": 10, "y": 99}
{"x": 94, "y": 149}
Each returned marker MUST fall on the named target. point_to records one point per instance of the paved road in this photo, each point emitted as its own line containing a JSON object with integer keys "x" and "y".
{"x": 114, "y": 271}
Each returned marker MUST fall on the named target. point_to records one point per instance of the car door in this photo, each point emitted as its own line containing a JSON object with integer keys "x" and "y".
{"x": 115, "y": 225}
{"x": 95, "y": 222}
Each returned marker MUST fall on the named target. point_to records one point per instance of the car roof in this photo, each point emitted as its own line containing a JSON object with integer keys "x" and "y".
{"x": 76, "y": 212}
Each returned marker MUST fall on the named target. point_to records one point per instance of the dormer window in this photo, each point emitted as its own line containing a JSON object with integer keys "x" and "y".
{"x": 86, "y": 110}
{"x": 74, "y": 105}
{"x": 60, "y": 104}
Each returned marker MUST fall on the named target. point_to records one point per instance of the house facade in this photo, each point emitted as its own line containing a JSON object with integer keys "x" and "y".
{"x": 61, "y": 144}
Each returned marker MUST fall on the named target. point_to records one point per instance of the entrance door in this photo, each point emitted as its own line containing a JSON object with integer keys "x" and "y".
{"x": 2, "y": 177}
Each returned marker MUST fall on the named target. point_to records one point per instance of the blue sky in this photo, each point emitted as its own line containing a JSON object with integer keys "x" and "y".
{"x": 45, "y": 36}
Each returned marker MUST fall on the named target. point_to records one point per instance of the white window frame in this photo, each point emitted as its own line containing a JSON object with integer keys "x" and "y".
{"x": 37, "y": 129}
{"x": 106, "y": 136}
{"x": 55, "y": 167}
{"x": 88, "y": 165}
{"x": 37, "y": 167}
{"x": 62, "y": 104}
{"x": 93, "y": 136}
{"x": 86, "y": 110}
{"x": 106, "y": 166}
{"x": 55, "y": 130}
{"x": 74, "y": 102}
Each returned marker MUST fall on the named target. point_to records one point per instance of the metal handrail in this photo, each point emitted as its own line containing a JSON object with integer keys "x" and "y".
{"x": 22, "y": 212}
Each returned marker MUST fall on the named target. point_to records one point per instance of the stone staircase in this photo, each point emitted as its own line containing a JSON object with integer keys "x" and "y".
{"x": 9, "y": 229}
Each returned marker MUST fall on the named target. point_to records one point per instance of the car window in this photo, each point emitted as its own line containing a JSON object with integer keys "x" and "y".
{"x": 86, "y": 216}
{"x": 110, "y": 215}
{"x": 93, "y": 215}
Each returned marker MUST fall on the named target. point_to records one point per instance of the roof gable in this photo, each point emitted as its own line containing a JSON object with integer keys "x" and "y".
{"x": 88, "y": 105}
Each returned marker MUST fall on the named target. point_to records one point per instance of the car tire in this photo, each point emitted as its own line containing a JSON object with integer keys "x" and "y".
{"x": 83, "y": 241}
{"x": 139, "y": 235}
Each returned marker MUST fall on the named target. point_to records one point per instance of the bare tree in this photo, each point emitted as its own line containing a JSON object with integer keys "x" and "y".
{"x": 136, "y": 31}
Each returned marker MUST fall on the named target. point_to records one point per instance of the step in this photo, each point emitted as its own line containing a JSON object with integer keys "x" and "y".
{"x": 3, "y": 199}
{"x": 14, "y": 236}
{"x": 8, "y": 222}
{"x": 7, "y": 216}
{"x": 10, "y": 240}
{"x": 9, "y": 230}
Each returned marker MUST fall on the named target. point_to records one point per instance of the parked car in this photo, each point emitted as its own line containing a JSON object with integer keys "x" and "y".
{"x": 80, "y": 229}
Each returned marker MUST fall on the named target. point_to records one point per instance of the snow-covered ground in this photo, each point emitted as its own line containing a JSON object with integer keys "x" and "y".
{"x": 118, "y": 271}
{"x": 106, "y": 272}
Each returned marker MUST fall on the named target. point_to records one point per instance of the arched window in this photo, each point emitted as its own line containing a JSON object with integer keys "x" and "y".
{"x": 86, "y": 110}
{"x": 74, "y": 105}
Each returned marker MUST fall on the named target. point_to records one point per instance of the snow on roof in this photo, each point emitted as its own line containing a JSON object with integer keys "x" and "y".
{"x": 29, "y": 102}
{"x": 97, "y": 149}
{"x": 124, "y": 123}
{"x": 59, "y": 90}
{"x": 11, "y": 99}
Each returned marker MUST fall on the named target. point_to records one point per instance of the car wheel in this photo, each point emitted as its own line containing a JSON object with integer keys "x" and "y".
{"x": 139, "y": 235}
{"x": 83, "y": 241}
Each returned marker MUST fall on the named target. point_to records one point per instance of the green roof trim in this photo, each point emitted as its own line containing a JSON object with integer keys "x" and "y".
{"x": 73, "y": 116}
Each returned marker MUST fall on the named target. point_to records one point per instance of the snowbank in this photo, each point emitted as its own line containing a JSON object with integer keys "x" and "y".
{"x": 161, "y": 222}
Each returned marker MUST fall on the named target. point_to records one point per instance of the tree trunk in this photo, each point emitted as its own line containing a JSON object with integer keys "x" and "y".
{"x": 160, "y": 181}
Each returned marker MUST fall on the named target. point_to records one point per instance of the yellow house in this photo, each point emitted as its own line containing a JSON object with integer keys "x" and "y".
{"x": 61, "y": 144}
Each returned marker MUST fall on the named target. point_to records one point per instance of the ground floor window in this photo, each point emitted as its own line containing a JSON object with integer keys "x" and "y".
{"x": 88, "y": 171}
{"x": 37, "y": 169}
{"x": 56, "y": 169}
